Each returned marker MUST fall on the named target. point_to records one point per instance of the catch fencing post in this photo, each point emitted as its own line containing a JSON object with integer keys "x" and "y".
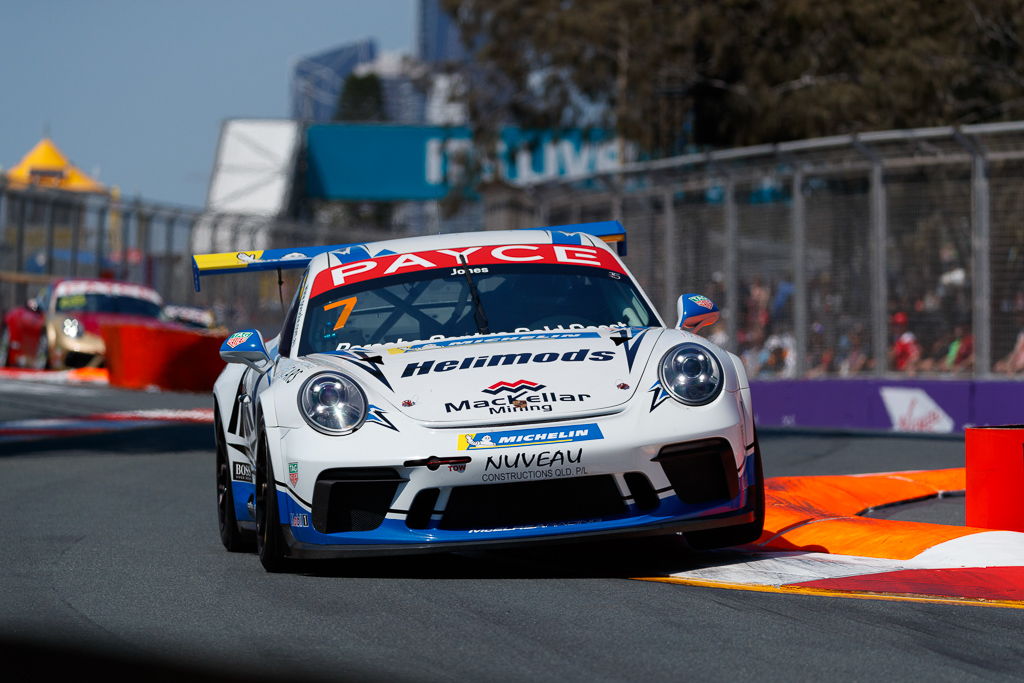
{"x": 732, "y": 280}
{"x": 233, "y": 284}
{"x": 5, "y": 218}
{"x": 169, "y": 222}
{"x": 192, "y": 294}
{"x": 101, "y": 231}
{"x": 48, "y": 221}
{"x": 981, "y": 273}
{"x": 541, "y": 211}
{"x": 799, "y": 256}
{"x": 19, "y": 237}
{"x": 126, "y": 217}
{"x": 143, "y": 225}
{"x": 669, "y": 245}
{"x": 5, "y": 210}
{"x": 19, "y": 246}
{"x": 76, "y": 210}
{"x": 212, "y": 222}
{"x": 879, "y": 283}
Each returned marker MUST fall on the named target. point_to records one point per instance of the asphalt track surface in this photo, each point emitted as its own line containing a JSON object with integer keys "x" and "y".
{"x": 110, "y": 558}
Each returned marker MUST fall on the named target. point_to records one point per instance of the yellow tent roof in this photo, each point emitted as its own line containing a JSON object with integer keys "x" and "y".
{"x": 45, "y": 165}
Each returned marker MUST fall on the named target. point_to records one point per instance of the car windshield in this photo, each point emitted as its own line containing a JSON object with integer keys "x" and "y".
{"x": 106, "y": 303}
{"x": 438, "y": 303}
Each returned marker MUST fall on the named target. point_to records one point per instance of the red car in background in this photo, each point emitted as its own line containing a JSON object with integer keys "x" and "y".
{"x": 60, "y": 327}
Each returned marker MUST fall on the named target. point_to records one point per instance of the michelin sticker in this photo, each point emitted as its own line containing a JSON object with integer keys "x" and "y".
{"x": 528, "y": 437}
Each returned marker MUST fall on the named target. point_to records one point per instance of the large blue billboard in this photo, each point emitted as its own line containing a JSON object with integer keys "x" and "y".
{"x": 382, "y": 162}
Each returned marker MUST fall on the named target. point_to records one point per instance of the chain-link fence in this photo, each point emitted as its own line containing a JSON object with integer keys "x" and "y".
{"x": 49, "y": 234}
{"x": 884, "y": 253}
{"x": 890, "y": 252}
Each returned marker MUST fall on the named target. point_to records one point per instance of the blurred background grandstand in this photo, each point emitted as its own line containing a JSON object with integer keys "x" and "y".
{"x": 834, "y": 251}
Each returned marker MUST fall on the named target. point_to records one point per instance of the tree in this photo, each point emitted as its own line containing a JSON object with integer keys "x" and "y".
{"x": 670, "y": 73}
{"x": 361, "y": 99}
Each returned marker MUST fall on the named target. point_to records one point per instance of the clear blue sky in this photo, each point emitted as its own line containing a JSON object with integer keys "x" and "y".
{"x": 138, "y": 88}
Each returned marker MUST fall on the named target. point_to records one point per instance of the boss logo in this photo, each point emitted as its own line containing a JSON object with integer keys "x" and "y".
{"x": 242, "y": 472}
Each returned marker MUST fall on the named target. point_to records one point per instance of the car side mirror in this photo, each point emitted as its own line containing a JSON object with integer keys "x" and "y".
{"x": 32, "y": 305}
{"x": 246, "y": 347}
{"x": 695, "y": 311}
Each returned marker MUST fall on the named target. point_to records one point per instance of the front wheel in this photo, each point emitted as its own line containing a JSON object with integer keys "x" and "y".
{"x": 233, "y": 538}
{"x": 41, "y": 361}
{"x": 5, "y": 348}
{"x": 269, "y": 541}
{"x": 741, "y": 533}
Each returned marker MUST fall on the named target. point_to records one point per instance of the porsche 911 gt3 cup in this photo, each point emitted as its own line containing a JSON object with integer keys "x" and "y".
{"x": 477, "y": 390}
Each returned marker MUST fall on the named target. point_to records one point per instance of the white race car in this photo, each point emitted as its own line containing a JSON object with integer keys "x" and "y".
{"x": 477, "y": 390}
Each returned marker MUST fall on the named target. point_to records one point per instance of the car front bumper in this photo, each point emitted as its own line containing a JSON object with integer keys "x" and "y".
{"x": 541, "y": 493}
{"x": 566, "y": 533}
{"x": 85, "y": 351}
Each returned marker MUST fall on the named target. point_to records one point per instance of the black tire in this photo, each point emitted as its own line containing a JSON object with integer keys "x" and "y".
{"x": 741, "y": 533}
{"x": 41, "y": 361}
{"x": 269, "y": 541}
{"x": 5, "y": 348}
{"x": 234, "y": 539}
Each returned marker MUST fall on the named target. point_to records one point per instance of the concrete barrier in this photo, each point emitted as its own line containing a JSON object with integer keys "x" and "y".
{"x": 145, "y": 356}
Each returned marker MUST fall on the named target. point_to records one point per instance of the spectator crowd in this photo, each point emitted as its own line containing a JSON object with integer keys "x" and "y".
{"x": 929, "y": 332}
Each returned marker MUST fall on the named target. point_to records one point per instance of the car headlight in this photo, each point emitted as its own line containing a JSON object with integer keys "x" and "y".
{"x": 332, "y": 403}
{"x": 73, "y": 328}
{"x": 691, "y": 374}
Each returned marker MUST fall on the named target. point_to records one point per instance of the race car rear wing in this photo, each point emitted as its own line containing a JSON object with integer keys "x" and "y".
{"x": 251, "y": 261}
{"x": 234, "y": 262}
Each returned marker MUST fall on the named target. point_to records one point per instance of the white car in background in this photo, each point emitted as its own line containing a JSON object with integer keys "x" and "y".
{"x": 477, "y": 390}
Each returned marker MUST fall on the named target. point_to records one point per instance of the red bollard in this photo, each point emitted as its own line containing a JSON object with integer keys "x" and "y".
{"x": 995, "y": 477}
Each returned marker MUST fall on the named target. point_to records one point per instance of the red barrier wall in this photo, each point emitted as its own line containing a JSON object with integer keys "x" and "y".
{"x": 995, "y": 477}
{"x": 143, "y": 356}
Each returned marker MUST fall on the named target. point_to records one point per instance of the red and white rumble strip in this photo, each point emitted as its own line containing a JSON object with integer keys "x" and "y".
{"x": 816, "y": 544}
{"x": 76, "y": 376}
{"x": 23, "y": 430}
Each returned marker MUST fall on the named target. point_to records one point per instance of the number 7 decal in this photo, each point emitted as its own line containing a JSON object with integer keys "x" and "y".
{"x": 347, "y": 306}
